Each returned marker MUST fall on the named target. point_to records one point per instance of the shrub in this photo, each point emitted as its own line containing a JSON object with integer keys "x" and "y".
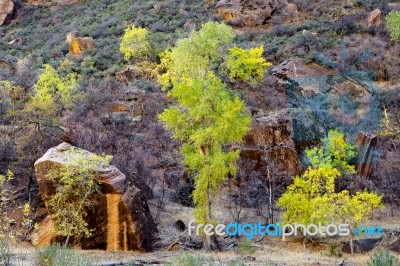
{"x": 335, "y": 250}
{"x": 135, "y": 43}
{"x": 56, "y": 255}
{"x": 393, "y": 23}
{"x": 383, "y": 258}
{"x": 4, "y": 252}
{"x": 247, "y": 65}
{"x": 245, "y": 247}
{"x": 189, "y": 259}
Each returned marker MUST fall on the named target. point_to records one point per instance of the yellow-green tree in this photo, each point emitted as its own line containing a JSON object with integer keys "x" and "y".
{"x": 209, "y": 117}
{"x": 247, "y": 65}
{"x": 135, "y": 43}
{"x": 312, "y": 199}
{"x": 334, "y": 152}
{"x": 393, "y": 24}
{"x": 75, "y": 184}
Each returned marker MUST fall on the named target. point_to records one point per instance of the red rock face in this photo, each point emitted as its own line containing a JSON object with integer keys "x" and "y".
{"x": 366, "y": 144}
{"x": 270, "y": 141}
{"x": 6, "y": 11}
{"x": 120, "y": 220}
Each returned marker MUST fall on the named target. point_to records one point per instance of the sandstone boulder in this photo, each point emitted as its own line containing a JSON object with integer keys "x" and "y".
{"x": 77, "y": 45}
{"x": 374, "y": 18}
{"x": 121, "y": 219}
{"x": 252, "y": 13}
{"x": 6, "y": 11}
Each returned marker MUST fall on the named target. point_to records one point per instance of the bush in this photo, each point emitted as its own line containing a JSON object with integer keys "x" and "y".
{"x": 56, "y": 255}
{"x": 189, "y": 259}
{"x": 383, "y": 258}
{"x": 4, "y": 252}
{"x": 393, "y": 23}
{"x": 247, "y": 65}
{"x": 135, "y": 43}
{"x": 245, "y": 247}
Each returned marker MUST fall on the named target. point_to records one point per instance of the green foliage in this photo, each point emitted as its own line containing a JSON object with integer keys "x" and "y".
{"x": 56, "y": 255}
{"x": 383, "y": 258}
{"x": 312, "y": 198}
{"x": 51, "y": 86}
{"x": 209, "y": 117}
{"x": 247, "y": 65}
{"x": 193, "y": 56}
{"x": 5, "y": 253}
{"x": 335, "y": 250}
{"x": 245, "y": 247}
{"x": 135, "y": 43}
{"x": 393, "y": 24}
{"x": 189, "y": 259}
{"x": 335, "y": 152}
{"x": 75, "y": 184}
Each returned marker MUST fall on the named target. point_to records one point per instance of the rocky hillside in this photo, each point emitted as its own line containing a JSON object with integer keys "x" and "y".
{"x": 334, "y": 66}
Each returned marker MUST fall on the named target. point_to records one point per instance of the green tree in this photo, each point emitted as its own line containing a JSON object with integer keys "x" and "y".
{"x": 196, "y": 55}
{"x": 247, "y": 65}
{"x": 75, "y": 184}
{"x": 334, "y": 152}
{"x": 393, "y": 24}
{"x": 135, "y": 43}
{"x": 208, "y": 118}
{"x": 312, "y": 199}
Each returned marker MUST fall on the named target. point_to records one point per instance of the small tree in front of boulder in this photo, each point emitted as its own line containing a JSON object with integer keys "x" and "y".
{"x": 75, "y": 185}
{"x": 312, "y": 199}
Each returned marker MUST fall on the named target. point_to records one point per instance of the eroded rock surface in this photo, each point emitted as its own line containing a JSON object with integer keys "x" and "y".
{"x": 77, "y": 45}
{"x": 6, "y": 11}
{"x": 121, "y": 219}
{"x": 252, "y": 13}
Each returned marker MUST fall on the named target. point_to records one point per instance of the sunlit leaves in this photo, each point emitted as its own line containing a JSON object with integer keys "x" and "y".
{"x": 247, "y": 65}
{"x": 208, "y": 117}
{"x": 312, "y": 198}
{"x": 135, "y": 43}
{"x": 393, "y": 24}
{"x": 75, "y": 184}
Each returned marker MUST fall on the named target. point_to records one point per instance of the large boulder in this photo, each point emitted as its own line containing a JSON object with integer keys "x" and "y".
{"x": 121, "y": 219}
{"x": 6, "y": 11}
{"x": 251, "y": 13}
{"x": 77, "y": 45}
{"x": 374, "y": 18}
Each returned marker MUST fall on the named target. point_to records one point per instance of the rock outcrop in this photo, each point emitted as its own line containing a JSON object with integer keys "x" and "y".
{"x": 6, "y": 11}
{"x": 270, "y": 141}
{"x": 366, "y": 146}
{"x": 320, "y": 98}
{"x": 251, "y": 13}
{"x": 77, "y": 45}
{"x": 374, "y": 18}
{"x": 121, "y": 219}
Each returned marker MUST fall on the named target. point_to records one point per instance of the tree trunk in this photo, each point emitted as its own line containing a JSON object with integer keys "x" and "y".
{"x": 351, "y": 245}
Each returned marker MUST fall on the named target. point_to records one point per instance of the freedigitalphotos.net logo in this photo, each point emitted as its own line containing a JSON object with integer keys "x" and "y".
{"x": 280, "y": 230}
